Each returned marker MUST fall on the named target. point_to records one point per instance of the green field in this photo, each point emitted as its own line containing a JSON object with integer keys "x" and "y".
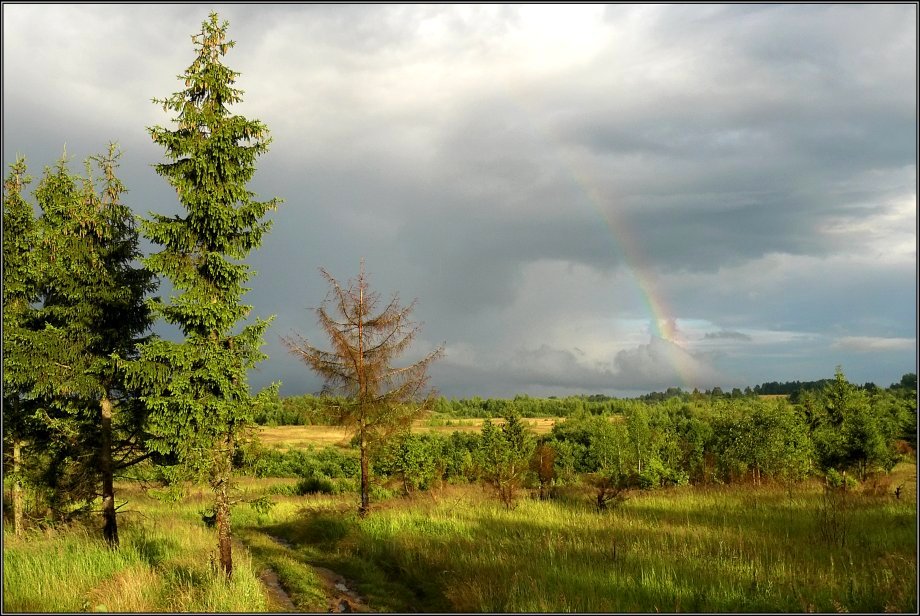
{"x": 455, "y": 548}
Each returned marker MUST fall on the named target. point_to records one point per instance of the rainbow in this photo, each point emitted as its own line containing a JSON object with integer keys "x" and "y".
{"x": 662, "y": 323}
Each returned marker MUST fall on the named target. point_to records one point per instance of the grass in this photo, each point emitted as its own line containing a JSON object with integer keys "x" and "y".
{"x": 326, "y": 436}
{"x": 166, "y": 562}
{"x": 719, "y": 549}
{"x": 302, "y": 436}
{"x": 685, "y": 549}
{"x": 154, "y": 570}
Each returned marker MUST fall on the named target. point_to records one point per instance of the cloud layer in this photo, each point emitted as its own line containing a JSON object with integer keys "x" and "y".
{"x": 549, "y": 182}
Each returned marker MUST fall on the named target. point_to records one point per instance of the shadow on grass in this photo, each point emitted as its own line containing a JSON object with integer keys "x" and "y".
{"x": 154, "y": 550}
{"x": 326, "y": 538}
{"x": 721, "y": 552}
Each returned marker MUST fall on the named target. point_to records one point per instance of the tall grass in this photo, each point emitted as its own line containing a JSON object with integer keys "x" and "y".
{"x": 721, "y": 549}
{"x": 164, "y": 563}
{"x": 686, "y": 549}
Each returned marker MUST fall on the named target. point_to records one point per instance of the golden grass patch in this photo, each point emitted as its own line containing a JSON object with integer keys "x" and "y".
{"x": 338, "y": 436}
{"x": 299, "y": 436}
{"x": 135, "y": 589}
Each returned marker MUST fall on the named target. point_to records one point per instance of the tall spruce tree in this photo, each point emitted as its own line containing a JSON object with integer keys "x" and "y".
{"x": 20, "y": 291}
{"x": 199, "y": 395}
{"x": 92, "y": 316}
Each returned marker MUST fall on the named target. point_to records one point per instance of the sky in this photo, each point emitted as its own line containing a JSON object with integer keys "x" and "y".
{"x": 609, "y": 199}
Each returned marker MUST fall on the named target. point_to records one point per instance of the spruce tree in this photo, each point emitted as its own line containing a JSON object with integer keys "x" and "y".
{"x": 198, "y": 393}
{"x": 92, "y": 316}
{"x": 20, "y": 291}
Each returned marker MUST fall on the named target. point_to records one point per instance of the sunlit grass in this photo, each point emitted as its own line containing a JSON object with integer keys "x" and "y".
{"x": 726, "y": 549}
{"x": 325, "y": 436}
{"x": 301, "y": 436}
{"x": 166, "y": 562}
{"x": 455, "y": 548}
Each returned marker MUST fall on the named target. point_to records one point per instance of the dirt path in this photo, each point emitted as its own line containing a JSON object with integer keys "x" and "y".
{"x": 279, "y": 596}
{"x": 341, "y": 596}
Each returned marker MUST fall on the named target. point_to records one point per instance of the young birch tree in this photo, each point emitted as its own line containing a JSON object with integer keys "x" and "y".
{"x": 381, "y": 399}
{"x": 198, "y": 392}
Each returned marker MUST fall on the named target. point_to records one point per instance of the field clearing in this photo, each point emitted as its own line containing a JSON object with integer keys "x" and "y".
{"x": 456, "y": 548}
{"x": 718, "y": 549}
{"x": 325, "y": 436}
{"x": 302, "y": 436}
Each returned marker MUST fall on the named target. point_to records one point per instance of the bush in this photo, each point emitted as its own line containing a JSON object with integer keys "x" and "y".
{"x": 413, "y": 459}
{"x": 839, "y": 481}
{"x": 316, "y": 484}
{"x": 651, "y": 475}
{"x": 283, "y": 490}
{"x": 263, "y": 462}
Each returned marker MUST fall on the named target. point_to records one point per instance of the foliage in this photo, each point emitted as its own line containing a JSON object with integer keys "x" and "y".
{"x": 253, "y": 459}
{"x": 305, "y": 410}
{"x": 20, "y": 290}
{"x": 198, "y": 391}
{"x": 416, "y": 460}
{"x": 76, "y": 318}
{"x": 764, "y": 439}
{"x": 504, "y": 455}
{"x": 528, "y": 407}
{"x": 542, "y": 464}
{"x": 855, "y": 431}
{"x": 379, "y": 398}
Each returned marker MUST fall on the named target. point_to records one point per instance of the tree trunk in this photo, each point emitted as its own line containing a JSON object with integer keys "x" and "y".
{"x": 110, "y": 527}
{"x": 362, "y": 395}
{"x": 223, "y": 533}
{"x": 222, "y": 509}
{"x": 365, "y": 500}
{"x": 17, "y": 486}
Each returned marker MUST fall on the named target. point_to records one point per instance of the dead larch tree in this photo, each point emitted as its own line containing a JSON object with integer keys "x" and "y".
{"x": 381, "y": 398}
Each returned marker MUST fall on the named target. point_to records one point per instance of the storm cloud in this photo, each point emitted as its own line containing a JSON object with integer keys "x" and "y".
{"x": 551, "y": 182}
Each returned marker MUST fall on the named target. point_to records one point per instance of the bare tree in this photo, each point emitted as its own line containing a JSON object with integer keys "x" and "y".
{"x": 381, "y": 399}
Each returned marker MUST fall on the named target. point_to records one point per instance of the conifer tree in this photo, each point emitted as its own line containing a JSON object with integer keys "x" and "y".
{"x": 92, "y": 316}
{"x": 20, "y": 291}
{"x": 379, "y": 397}
{"x": 197, "y": 389}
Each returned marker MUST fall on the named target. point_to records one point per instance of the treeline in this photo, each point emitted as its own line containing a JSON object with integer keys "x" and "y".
{"x": 841, "y": 432}
{"x": 838, "y": 430}
{"x": 307, "y": 410}
{"x": 787, "y": 388}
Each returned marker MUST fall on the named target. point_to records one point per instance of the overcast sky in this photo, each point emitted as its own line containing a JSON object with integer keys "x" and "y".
{"x": 583, "y": 199}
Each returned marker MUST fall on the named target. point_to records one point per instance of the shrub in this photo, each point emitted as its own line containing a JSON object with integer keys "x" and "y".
{"x": 836, "y": 480}
{"x": 505, "y": 453}
{"x": 264, "y": 462}
{"x": 316, "y": 484}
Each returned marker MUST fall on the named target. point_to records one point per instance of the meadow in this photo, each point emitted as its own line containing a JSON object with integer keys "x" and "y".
{"x": 456, "y": 548}
{"x": 281, "y": 437}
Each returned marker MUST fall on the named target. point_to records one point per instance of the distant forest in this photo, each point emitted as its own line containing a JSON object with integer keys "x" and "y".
{"x": 310, "y": 409}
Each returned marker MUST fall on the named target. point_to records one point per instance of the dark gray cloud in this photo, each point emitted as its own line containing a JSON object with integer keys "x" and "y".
{"x": 547, "y": 181}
